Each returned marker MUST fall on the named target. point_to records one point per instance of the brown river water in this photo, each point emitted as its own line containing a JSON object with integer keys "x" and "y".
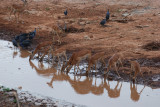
{"x": 41, "y": 78}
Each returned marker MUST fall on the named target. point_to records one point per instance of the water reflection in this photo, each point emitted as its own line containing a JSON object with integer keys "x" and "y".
{"x": 134, "y": 94}
{"x": 113, "y": 93}
{"x": 87, "y": 85}
{"x": 58, "y": 77}
{"x": 41, "y": 70}
{"x": 15, "y": 53}
{"x": 24, "y": 53}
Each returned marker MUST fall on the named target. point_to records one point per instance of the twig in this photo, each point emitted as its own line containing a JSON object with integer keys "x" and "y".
{"x": 16, "y": 95}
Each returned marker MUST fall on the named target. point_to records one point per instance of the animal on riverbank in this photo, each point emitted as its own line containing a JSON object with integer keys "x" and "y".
{"x": 94, "y": 59}
{"x": 75, "y": 59}
{"x": 116, "y": 58}
{"x": 135, "y": 67}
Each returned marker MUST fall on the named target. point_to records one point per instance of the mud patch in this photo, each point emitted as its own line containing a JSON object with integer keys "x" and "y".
{"x": 152, "y": 46}
{"x": 74, "y": 30}
{"x": 151, "y": 62}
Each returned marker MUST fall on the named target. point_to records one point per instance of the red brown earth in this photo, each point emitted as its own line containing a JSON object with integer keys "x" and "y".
{"x": 133, "y": 29}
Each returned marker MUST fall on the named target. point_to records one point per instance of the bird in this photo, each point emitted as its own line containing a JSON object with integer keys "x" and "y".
{"x": 25, "y": 43}
{"x": 17, "y": 38}
{"x": 14, "y": 43}
{"x": 32, "y": 34}
{"x": 107, "y": 15}
{"x": 22, "y": 37}
{"x": 65, "y": 12}
{"x": 103, "y": 22}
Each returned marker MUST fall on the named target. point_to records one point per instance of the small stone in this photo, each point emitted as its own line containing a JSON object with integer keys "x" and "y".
{"x": 88, "y": 22}
{"x": 82, "y": 23}
{"x": 87, "y": 37}
{"x": 98, "y": 4}
{"x": 20, "y": 87}
{"x": 123, "y": 10}
{"x": 125, "y": 14}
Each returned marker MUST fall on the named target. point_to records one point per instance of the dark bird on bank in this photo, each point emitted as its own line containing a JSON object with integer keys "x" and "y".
{"x": 25, "y": 43}
{"x": 65, "y": 12}
{"x": 107, "y": 15}
{"x": 17, "y": 38}
{"x": 14, "y": 43}
{"x": 32, "y": 34}
{"x": 103, "y": 22}
{"x": 22, "y": 37}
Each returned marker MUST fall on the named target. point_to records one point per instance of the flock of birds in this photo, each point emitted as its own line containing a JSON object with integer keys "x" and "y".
{"x": 24, "y": 40}
{"x": 103, "y": 22}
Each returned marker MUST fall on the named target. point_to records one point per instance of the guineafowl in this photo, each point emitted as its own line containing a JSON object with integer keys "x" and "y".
{"x": 14, "y": 43}
{"x": 65, "y": 12}
{"x": 23, "y": 37}
{"x": 32, "y": 34}
{"x": 107, "y": 15}
{"x": 17, "y": 38}
{"x": 25, "y": 43}
{"x": 103, "y": 22}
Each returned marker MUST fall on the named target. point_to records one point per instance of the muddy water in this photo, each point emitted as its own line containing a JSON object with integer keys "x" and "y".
{"x": 41, "y": 78}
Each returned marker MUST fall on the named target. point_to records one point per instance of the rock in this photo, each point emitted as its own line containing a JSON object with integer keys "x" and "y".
{"x": 20, "y": 87}
{"x": 82, "y": 23}
{"x": 98, "y": 4}
{"x": 125, "y": 14}
{"x": 86, "y": 37}
{"x": 123, "y": 10}
{"x": 88, "y": 22}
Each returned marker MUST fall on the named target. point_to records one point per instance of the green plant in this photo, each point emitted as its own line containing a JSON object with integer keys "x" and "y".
{"x": 15, "y": 101}
{"x": 6, "y": 89}
{"x": 47, "y": 8}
